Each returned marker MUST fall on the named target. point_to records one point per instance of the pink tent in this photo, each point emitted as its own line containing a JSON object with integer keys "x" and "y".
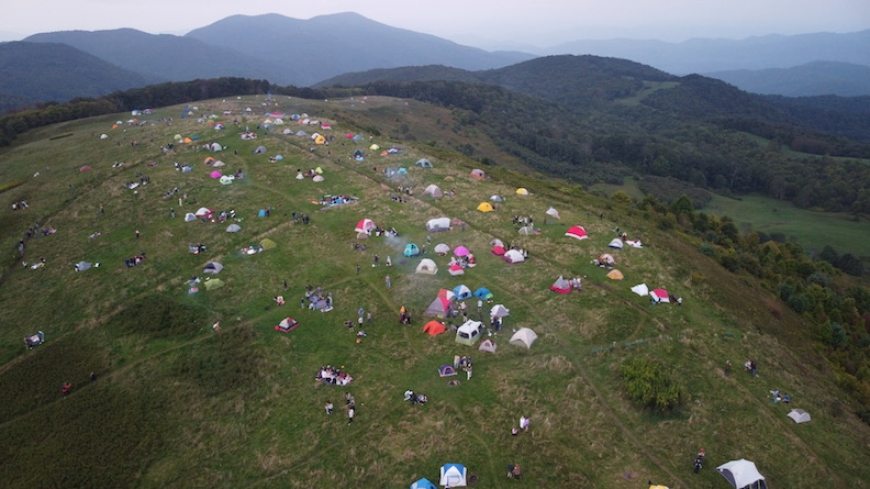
{"x": 215, "y": 174}
{"x": 455, "y": 270}
{"x": 365, "y": 226}
{"x": 461, "y": 251}
{"x": 498, "y": 250}
{"x": 660, "y": 294}
{"x": 576, "y": 232}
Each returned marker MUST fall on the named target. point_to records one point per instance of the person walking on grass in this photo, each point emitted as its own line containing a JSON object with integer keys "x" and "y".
{"x": 387, "y": 281}
{"x": 350, "y": 414}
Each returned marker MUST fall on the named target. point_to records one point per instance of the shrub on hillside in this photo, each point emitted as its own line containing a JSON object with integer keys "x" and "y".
{"x": 648, "y": 384}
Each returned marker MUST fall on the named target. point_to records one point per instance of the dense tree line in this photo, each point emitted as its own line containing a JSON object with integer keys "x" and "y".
{"x": 161, "y": 95}
{"x": 826, "y": 289}
{"x": 714, "y": 153}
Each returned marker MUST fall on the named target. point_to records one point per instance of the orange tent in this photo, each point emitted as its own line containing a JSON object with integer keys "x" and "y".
{"x": 434, "y": 328}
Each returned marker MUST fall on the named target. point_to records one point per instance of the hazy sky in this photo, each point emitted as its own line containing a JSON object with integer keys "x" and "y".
{"x": 480, "y": 22}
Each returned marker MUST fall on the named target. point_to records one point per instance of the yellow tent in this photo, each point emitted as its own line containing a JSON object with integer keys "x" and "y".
{"x": 318, "y": 170}
{"x": 485, "y": 207}
{"x": 374, "y": 147}
{"x": 319, "y": 139}
{"x": 268, "y": 244}
{"x": 615, "y": 275}
{"x": 522, "y": 191}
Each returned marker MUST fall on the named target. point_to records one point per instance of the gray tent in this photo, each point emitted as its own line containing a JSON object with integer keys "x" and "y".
{"x": 424, "y": 163}
{"x": 233, "y": 228}
{"x": 260, "y": 150}
{"x": 742, "y": 474}
{"x": 189, "y": 217}
{"x": 82, "y": 266}
{"x": 213, "y": 268}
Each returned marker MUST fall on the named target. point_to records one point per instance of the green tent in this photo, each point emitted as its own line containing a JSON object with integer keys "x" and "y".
{"x": 267, "y": 244}
{"x": 214, "y": 283}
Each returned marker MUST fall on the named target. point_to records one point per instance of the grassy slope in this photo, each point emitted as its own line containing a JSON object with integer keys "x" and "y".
{"x": 177, "y": 405}
{"x": 813, "y": 230}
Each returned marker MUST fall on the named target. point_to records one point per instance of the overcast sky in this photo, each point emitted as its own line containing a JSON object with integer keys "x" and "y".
{"x": 478, "y": 22}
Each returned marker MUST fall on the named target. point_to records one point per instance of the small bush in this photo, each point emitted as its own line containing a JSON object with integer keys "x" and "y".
{"x": 648, "y": 384}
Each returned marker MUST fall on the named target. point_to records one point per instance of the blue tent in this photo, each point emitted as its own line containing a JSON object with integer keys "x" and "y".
{"x": 424, "y": 483}
{"x": 446, "y": 370}
{"x": 462, "y": 292}
{"x": 402, "y": 171}
{"x": 262, "y": 213}
{"x": 483, "y": 293}
{"x": 411, "y": 250}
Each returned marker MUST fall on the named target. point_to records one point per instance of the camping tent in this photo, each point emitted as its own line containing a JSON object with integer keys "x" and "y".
{"x": 233, "y": 228}
{"x": 215, "y": 147}
{"x": 522, "y": 191}
{"x": 497, "y": 242}
{"x": 434, "y": 328}
{"x": 641, "y": 290}
{"x": 799, "y": 416}
{"x": 267, "y": 244}
{"x": 446, "y": 370}
{"x": 365, "y": 226}
{"x": 478, "y": 173}
{"x": 496, "y": 198}
{"x": 189, "y": 217}
{"x": 488, "y": 345}
{"x": 317, "y": 178}
{"x": 226, "y": 179}
{"x": 523, "y": 337}
{"x": 742, "y": 474}
{"x": 411, "y": 250}
{"x": 462, "y": 292}
{"x": 576, "y": 232}
{"x": 469, "y": 333}
{"x": 213, "y": 284}
{"x": 660, "y": 295}
{"x": 499, "y": 311}
{"x": 553, "y": 213}
{"x": 461, "y": 251}
{"x": 561, "y": 286}
{"x": 615, "y": 275}
{"x": 438, "y": 224}
{"x": 447, "y": 294}
{"x": 433, "y": 191}
{"x": 215, "y": 174}
{"x": 485, "y": 207}
{"x": 82, "y": 266}
{"x": 616, "y": 244}
{"x": 204, "y": 212}
{"x": 453, "y": 475}
{"x": 442, "y": 249}
{"x": 260, "y": 150}
{"x": 498, "y": 250}
{"x": 423, "y": 484}
{"x": 218, "y": 164}
{"x": 527, "y": 230}
{"x": 440, "y": 307}
{"x": 513, "y": 257}
{"x": 483, "y": 293}
{"x": 456, "y": 269}
{"x": 424, "y": 163}
{"x": 212, "y": 268}
{"x": 286, "y": 325}
{"x": 427, "y": 267}
{"x": 374, "y": 147}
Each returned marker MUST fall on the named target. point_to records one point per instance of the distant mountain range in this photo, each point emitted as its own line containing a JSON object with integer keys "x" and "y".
{"x": 35, "y": 72}
{"x": 287, "y": 51}
{"x": 816, "y": 78}
{"x": 714, "y": 55}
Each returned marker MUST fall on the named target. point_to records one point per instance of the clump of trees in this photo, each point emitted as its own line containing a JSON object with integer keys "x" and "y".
{"x": 650, "y": 385}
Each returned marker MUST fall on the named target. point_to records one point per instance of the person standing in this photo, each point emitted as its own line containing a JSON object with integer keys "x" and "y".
{"x": 377, "y": 261}
{"x": 387, "y": 281}
{"x": 350, "y": 414}
{"x": 329, "y": 407}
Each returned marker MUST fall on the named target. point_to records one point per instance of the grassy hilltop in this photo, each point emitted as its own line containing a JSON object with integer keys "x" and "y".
{"x": 177, "y": 404}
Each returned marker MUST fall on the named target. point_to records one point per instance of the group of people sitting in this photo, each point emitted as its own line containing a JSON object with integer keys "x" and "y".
{"x": 330, "y": 375}
{"x": 317, "y": 300}
{"x": 196, "y": 249}
{"x": 135, "y": 260}
{"x": 413, "y": 398}
{"x": 330, "y": 200}
{"x": 778, "y": 397}
{"x": 404, "y": 316}
{"x": 467, "y": 261}
{"x": 21, "y": 204}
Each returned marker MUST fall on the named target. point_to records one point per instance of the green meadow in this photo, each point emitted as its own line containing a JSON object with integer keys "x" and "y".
{"x": 176, "y": 403}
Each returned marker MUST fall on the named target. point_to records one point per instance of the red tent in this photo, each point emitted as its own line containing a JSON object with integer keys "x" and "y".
{"x": 434, "y": 328}
{"x": 576, "y": 232}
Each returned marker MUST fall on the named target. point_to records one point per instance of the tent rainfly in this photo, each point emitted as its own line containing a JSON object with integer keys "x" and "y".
{"x": 456, "y": 269}
{"x": 553, "y": 213}
{"x": 799, "y": 416}
{"x": 524, "y": 337}
{"x": 742, "y": 474}
{"x": 616, "y": 244}
{"x": 576, "y": 232}
{"x": 641, "y": 290}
